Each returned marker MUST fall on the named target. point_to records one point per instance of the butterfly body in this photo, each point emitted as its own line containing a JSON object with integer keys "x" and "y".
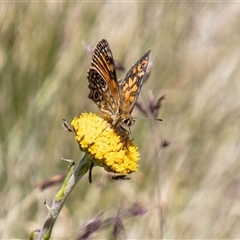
{"x": 115, "y": 98}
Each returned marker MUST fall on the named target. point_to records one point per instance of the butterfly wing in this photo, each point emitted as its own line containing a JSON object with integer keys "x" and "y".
{"x": 130, "y": 86}
{"x": 102, "y": 80}
{"x": 103, "y": 62}
{"x": 100, "y": 93}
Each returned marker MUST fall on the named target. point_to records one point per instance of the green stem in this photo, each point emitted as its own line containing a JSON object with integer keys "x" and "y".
{"x": 74, "y": 174}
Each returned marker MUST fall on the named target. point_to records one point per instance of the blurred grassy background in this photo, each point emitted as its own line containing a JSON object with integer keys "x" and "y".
{"x": 196, "y": 57}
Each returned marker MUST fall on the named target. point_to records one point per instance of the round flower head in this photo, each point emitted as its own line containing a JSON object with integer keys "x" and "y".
{"x": 107, "y": 146}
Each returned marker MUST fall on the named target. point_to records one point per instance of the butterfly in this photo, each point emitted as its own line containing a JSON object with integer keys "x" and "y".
{"x": 115, "y": 98}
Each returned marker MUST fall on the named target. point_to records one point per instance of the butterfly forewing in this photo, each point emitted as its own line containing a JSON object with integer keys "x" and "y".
{"x": 103, "y": 61}
{"x": 102, "y": 80}
{"x": 130, "y": 86}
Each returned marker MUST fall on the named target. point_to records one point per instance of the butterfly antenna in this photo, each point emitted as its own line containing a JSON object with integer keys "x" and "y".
{"x": 102, "y": 132}
{"x": 153, "y": 119}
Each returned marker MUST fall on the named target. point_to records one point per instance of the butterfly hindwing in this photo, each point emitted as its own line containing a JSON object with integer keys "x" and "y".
{"x": 100, "y": 93}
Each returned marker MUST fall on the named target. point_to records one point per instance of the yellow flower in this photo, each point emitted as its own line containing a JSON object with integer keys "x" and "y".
{"x": 106, "y": 146}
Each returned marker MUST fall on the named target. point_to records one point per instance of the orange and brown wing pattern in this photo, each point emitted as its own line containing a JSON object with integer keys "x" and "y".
{"x": 99, "y": 91}
{"x": 103, "y": 62}
{"x": 130, "y": 86}
{"x": 102, "y": 80}
{"x": 115, "y": 98}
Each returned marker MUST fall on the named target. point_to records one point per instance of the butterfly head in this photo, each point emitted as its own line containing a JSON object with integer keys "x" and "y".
{"x": 128, "y": 122}
{"x": 121, "y": 119}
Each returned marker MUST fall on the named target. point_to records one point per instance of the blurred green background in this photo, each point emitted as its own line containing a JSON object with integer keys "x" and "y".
{"x": 191, "y": 188}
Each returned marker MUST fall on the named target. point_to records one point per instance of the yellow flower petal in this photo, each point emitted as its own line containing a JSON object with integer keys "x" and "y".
{"x": 107, "y": 146}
